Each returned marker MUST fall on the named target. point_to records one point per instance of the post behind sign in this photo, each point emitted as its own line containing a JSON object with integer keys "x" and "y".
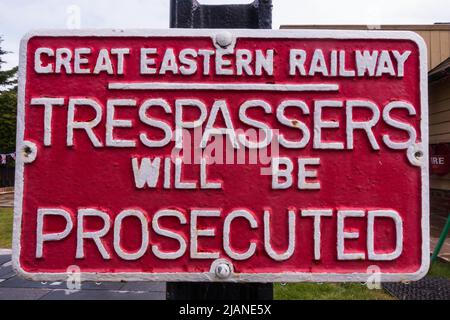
{"x": 191, "y": 14}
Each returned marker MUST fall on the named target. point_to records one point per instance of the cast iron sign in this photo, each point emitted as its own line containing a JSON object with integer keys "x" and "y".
{"x": 212, "y": 155}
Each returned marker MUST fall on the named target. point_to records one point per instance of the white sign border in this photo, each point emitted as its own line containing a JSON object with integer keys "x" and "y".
{"x": 210, "y": 276}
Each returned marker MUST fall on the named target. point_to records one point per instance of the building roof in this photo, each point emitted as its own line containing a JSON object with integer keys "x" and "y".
{"x": 441, "y": 71}
{"x": 436, "y": 37}
{"x": 418, "y": 27}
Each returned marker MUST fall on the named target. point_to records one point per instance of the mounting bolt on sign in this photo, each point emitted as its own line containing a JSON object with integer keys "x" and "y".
{"x": 223, "y": 271}
{"x": 222, "y": 268}
{"x": 227, "y": 159}
{"x": 224, "y": 39}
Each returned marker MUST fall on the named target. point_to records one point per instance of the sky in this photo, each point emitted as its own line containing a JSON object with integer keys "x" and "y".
{"x": 17, "y": 17}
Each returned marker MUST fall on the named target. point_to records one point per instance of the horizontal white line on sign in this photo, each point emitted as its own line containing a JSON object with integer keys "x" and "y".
{"x": 221, "y": 86}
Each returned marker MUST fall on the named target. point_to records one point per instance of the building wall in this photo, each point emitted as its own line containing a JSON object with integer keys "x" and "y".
{"x": 439, "y": 111}
{"x": 438, "y": 43}
{"x": 436, "y": 36}
{"x": 439, "y": 121}
{"x": 439, "y": 201}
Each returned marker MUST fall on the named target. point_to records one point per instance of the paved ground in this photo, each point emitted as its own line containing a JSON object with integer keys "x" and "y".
{"x": 428, "y": 288}
{"x": 13, "y": 288}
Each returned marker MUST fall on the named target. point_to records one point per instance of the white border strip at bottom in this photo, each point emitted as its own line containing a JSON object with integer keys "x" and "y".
{"x": 237, "y": 277}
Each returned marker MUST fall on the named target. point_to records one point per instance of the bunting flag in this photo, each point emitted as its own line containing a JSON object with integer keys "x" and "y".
{"x": 3, "y": 157}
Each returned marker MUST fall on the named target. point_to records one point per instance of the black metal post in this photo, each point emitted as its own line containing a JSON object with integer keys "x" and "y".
{"x": 191, "y": 14}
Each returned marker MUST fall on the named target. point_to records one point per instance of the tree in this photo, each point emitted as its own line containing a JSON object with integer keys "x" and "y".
{"x": 8, "y": 78}
{"x": 8, "y": 106}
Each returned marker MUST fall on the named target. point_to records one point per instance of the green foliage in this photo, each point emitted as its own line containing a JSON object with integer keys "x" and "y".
{"x": 8, "y": 79}
{"x": 328, "y": 291}
{"x": 440, "y": 269}
{"x": 345, "y": 291}
{"x": 6, "y": 226}
{"x": 8, "y": 106}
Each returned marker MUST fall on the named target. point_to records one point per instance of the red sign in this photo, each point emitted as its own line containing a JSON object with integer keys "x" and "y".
{"x": 187, "y": 155}
{"x": 439, "y": 159}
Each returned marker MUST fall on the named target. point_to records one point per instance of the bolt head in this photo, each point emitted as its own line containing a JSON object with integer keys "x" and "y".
{"x": 224, "y": 39}
{"x": 223, "y": 271}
